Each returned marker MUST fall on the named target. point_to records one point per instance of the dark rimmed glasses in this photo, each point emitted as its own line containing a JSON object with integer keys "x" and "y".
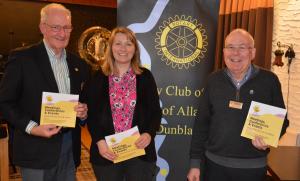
{"x": 242, "y": 49}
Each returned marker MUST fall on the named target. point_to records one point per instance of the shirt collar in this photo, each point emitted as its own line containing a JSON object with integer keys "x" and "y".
{"x": 245, "y": 78}
{"x": 129, "y": 72}
{"x": 51, "y": 52}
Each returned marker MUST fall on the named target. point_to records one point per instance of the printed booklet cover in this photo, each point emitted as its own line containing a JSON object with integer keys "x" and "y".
{"x": 265, "y": 121}
{"x": 58, "y": 109}
{"x": 122, "y": 144}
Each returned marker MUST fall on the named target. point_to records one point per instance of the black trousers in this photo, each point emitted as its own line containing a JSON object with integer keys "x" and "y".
{"x": 215, "y": 172}
{"x": 130, "y": 170}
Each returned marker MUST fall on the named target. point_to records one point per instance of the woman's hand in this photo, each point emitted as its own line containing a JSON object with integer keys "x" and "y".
{"x": 104, "y": 151}
{"x": 143, "y": 141}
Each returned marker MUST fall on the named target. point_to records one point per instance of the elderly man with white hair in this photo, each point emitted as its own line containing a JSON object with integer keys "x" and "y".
{"x": 44, "y": 152}
{"x": 218, "y": 151}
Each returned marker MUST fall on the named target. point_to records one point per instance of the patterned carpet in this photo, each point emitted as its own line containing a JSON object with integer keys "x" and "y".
{"x": 84, "y": 171}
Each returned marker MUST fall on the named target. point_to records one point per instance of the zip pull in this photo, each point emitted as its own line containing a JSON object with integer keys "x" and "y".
{"x": 237, "y": 95}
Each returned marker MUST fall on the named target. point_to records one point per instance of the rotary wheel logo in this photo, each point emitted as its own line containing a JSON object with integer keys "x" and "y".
{"x": 181, "y": 42}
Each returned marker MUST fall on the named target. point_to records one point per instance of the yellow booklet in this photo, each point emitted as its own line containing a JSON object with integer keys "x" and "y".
{"x": 265, "y": 121}
{"x": 58, "y": 109}
{"x": 122, "y": 144}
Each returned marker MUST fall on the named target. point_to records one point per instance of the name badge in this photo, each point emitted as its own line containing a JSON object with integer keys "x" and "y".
{"x": 235, "y": 104}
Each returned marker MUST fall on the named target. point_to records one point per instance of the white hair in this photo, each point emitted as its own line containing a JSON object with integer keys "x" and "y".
{"x": 243, "y": 32}
{"x": 53, "y": 6}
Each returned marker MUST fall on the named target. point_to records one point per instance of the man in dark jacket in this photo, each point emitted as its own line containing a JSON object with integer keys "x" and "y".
{"x": 217, "y": 144}
{"x": 44, "y": 152}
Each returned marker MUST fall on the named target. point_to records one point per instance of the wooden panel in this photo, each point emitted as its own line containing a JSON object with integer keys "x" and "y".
{"x": 86, "y": 139}
{"x": 100, "y": 3}
{"x": 4, "y": 164}
{"x": 284, "y": 162}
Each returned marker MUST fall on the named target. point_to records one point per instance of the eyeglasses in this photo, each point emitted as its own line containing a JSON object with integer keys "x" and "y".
{"x": 58, "y": 28}
{"x": 241, "y": 49}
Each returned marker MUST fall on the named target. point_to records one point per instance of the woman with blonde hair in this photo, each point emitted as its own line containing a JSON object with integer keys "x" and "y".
{"x": 119, "y": 97}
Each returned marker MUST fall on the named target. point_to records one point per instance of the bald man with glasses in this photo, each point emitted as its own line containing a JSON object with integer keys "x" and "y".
{"x": 44, "y": 152}
{"x": 218, "y": 151}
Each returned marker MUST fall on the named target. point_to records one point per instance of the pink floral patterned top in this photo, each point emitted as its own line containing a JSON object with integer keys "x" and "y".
{"x": 122, "y": 94}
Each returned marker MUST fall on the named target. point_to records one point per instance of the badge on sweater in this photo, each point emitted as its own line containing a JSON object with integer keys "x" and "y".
{"x": 235, "y": 105}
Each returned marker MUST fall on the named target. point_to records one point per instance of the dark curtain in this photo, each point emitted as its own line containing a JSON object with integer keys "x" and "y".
{"x": 255, "y": 16}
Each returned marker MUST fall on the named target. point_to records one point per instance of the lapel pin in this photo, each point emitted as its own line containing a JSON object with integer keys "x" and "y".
{"x": 76, "y": 69}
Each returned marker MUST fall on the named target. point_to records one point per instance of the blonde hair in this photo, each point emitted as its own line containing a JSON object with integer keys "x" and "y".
{"x": 108, "y": 65}
{"x": 53, "y": 6}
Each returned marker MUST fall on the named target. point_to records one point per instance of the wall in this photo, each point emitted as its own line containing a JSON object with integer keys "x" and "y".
{"x": 19, "y": 21}
{"x": 287, "y": 30}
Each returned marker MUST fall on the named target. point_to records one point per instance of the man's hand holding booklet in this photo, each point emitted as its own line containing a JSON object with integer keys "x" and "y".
{"x": 264, "y": 121}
